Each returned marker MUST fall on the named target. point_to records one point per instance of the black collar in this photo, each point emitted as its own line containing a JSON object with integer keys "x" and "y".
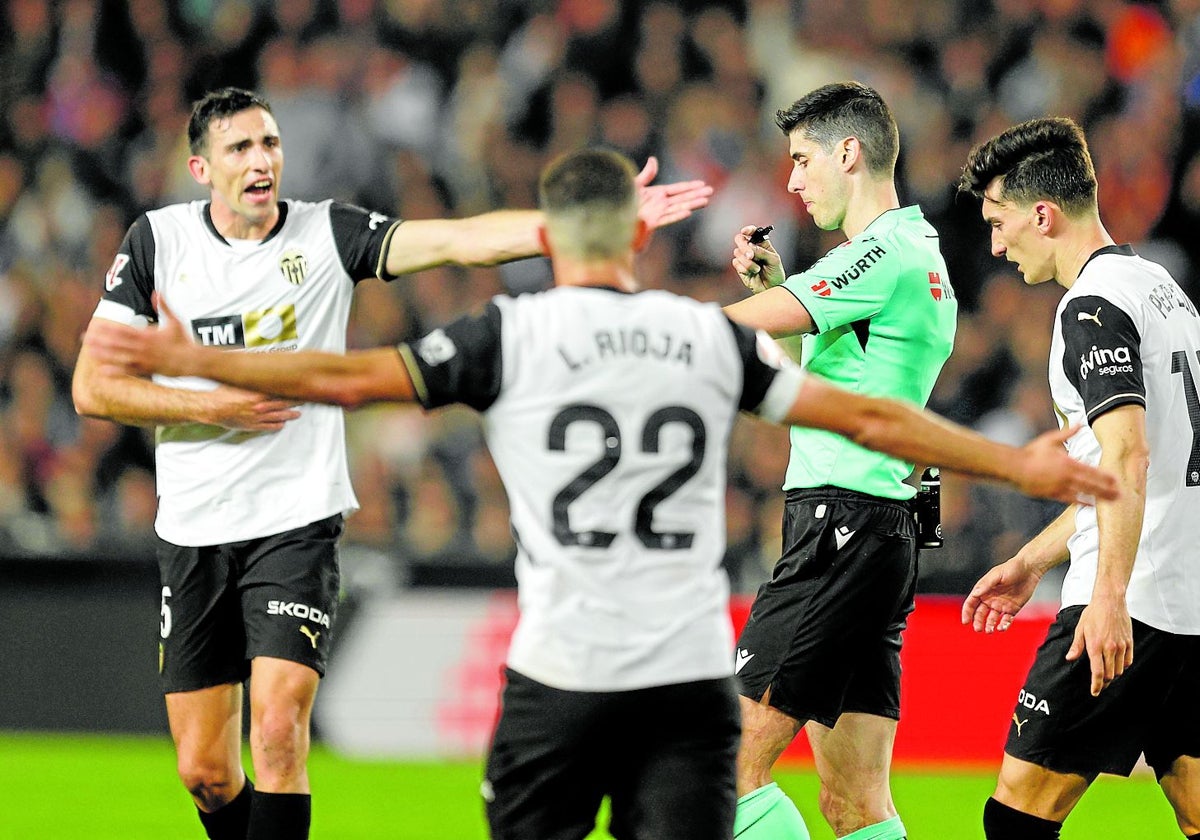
{"x": 283, "y": 211}
{"x": 1121, "y": 250}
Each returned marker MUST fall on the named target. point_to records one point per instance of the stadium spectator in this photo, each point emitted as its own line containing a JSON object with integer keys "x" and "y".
{"x": 160, "y": 55}
{"x": 253, "y": 491}
{"x": 618, "y": 679}
{"x": 821, "y": 648}
{"x": 1116, "y": 677}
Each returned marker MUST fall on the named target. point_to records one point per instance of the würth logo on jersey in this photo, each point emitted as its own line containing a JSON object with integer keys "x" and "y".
{"x": 935, "y": 285}
{"x": 260, "y": 328}
{"x": 294, "y": 267}
{"x": 822, "y": 289}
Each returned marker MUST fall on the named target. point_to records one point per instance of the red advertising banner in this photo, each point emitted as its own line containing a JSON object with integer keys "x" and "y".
{"x": 958, "y": 687}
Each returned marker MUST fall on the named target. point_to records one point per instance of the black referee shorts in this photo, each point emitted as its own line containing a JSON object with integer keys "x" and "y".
{"x": 223, "y": 605}
{"x": 1151, "y": 708}
{"x": 665, "y": 757}
{"x": 824, "y": 633}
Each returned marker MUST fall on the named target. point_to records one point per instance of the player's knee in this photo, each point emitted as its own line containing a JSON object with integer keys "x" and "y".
{"x": 210, "y": 784}
{"x": 279, "y": 741}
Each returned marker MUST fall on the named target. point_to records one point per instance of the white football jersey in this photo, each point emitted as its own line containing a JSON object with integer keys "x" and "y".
{"x": 1125, "y": 333}
{"x": 290, "y": 291}
{"x": 608, "y": 416}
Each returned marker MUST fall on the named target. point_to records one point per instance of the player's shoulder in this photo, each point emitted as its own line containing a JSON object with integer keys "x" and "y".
{"x": 184, "y": 212}
{"x": 1116, "y": 273}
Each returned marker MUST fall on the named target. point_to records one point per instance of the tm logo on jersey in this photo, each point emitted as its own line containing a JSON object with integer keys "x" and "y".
{"x": 261, "y": 328}
{"x": 1106, "y": 362}
{"x": 856, "y": 270}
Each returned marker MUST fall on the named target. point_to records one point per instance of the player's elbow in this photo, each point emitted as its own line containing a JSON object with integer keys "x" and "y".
{"x": 347, "y": 392}
{"x": 87, "y": 398}
{"x": 879, "y": 425}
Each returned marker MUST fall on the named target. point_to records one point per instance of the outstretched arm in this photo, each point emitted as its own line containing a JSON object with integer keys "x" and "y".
{"x": 504, "y": 235}
{"x": 347, "y": 380}
{"x": 1040, "y": 468}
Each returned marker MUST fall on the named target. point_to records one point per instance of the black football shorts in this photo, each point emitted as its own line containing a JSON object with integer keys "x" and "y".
{"x": 665, "y": 756}
{"x": 223, "y": 605}
{"x": 1151, "y": 708}
{"x": 824, "y": 632}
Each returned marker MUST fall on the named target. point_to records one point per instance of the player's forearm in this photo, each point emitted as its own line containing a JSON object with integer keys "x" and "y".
{"x": 310, "y": 376}
{"x": 486, "y": 239}
{"x": 1049, "y": 548}
{"x": 1120, "y": 525}
{"x": 132, "y": 400}
{"x": 921, "y": 437}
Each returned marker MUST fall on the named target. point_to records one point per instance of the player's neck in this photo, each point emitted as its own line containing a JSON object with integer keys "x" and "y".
{"x": 615, "y": 274}
{"x": 1076, "y": 250}
{"x": 870, "y": 200}
{"x": 233, "y": 225}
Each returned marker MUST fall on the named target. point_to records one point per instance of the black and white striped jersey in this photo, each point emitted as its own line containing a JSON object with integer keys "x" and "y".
{"x": 608, "y": 416}
{"x": 1125, "y": 333}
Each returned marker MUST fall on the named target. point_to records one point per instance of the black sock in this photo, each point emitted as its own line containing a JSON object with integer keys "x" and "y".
{"x": 1001, "y": 822}
{"x": 280, "y": 816}
{"x": 232, "y": 820}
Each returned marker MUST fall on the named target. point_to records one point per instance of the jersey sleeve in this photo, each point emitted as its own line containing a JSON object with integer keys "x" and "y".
{"x": 1102, "y": 354}
{"x": 770, "y": 381}
{"x": 129, "y": 281}
{"x": 362, "y": 239}
{"x": 850, "y": 283}
{"x": 459, "y": 363}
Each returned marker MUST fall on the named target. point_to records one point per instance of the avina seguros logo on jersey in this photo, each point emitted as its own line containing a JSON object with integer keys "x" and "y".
{"x": 1105, "y": 361}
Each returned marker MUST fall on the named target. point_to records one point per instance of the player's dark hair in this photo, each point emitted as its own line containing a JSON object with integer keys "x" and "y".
{"x": 1036, "y": 159}
{"x": 587, "y": 176}
{"x": 590, "y": 201}
{"x": 216, "y": 105}
{"x": 834, "y": 112}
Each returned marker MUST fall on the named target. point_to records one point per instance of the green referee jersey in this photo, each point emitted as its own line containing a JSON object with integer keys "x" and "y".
{"x": 885, "y": 315}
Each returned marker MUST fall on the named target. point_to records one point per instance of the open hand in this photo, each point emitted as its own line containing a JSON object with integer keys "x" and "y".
{"x": 664, "y": 204}
{"x": 164, "y": 349}
{"x": 234, "y": 408}
{"x": 1105, "y": 631}
{"x": 998, "y": 596}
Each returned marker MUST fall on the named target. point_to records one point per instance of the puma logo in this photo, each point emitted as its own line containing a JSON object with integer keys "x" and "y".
{"x": 313, "y": 634}
{"x": 1083, "y": 316}
{"x": 1019, "y": 723}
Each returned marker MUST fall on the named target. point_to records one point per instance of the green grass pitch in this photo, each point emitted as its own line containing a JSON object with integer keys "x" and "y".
{"x": 60, "y": 787}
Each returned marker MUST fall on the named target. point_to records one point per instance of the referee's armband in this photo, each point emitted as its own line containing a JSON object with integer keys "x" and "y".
{"x": 781, "y": 393}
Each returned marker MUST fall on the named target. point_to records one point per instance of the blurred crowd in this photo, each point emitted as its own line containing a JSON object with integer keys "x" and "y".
{"x": 446, "y": 108}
